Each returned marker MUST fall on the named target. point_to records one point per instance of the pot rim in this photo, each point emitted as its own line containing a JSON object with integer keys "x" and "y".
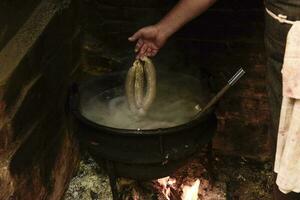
{"x": 74, "y": 102}
{"x": 148, "y": 132}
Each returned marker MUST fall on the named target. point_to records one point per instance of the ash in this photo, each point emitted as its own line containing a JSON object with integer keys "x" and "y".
{"x": 234, "y": 178}
{"x": 90, "y": 182}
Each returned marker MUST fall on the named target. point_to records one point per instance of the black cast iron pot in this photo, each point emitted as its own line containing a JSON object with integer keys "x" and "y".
{"x": 143, "y": 154}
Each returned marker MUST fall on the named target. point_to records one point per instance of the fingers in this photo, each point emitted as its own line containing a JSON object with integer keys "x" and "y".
{"x": 146, "y": 42}
{"x": 146, "y": 50}
{"x": 153, "y": 52}
{"x": 142, "y": 51}
{"x": 150, "y": 52}
{"x": 135, "y": 36}
{"x": 138, "y": 45}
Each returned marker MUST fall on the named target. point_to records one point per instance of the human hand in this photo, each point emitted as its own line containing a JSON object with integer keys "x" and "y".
{"x": 149, "y": 40}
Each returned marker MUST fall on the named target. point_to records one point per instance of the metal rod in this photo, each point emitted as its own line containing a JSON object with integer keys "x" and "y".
{"x": 210, "y": 159}
{"x": 236, "y": 76}
{"x": 220, "y": 94}
{"x": 112, "y": 179}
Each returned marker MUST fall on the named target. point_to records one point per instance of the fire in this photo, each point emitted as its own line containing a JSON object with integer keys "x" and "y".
{"x": 135, "y": 195}
{"x": 166, "y": 184}
{"x": 191, "y": 192}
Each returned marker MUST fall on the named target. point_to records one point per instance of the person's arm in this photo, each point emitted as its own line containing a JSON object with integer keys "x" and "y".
{"x": 151, "y": 38}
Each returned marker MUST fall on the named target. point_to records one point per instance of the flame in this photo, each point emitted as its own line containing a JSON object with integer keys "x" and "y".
{"x": 167, "y": 183}
{"x": 191, "y": 192}
{"x": 135, "y": 195}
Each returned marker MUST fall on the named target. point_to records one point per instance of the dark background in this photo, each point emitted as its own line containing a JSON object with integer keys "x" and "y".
{"x": 214, "y": 46}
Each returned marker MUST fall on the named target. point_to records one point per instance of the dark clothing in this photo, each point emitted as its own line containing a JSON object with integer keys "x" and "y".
{"x": 275, "y": 41}
{"x": 290, "y": 8}
{"x": 278, "y": 195}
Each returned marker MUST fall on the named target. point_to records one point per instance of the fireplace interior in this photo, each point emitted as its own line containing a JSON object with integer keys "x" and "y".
{"x": 211, "y": 48}
{"x": 56, "y": 49}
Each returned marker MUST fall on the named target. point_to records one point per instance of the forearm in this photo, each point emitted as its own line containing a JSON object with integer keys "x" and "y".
{"x": 183, "y": 12}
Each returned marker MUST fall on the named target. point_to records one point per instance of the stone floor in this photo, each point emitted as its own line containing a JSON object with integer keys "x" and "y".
{"x": 236, "y": 178}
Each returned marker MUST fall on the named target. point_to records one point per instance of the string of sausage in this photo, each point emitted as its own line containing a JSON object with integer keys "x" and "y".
{"x": 141, "y": 76}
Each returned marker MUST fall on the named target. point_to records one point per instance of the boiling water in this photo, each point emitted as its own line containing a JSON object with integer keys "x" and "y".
{"x": 171, "y": 107}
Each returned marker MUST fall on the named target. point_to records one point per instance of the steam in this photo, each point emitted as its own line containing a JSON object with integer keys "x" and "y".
{"x": 176, "y": 103}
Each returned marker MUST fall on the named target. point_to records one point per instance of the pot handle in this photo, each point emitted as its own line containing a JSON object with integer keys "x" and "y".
{"x": 220, "y": 94}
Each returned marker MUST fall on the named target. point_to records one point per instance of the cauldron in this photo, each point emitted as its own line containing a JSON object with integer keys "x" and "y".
{"x": 143, "y": 154}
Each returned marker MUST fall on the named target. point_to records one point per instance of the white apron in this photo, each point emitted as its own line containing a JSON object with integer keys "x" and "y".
{"x": 287, "y": 162}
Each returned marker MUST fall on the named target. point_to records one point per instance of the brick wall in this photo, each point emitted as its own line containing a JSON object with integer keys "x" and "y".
{"x": 231, "y": 35}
